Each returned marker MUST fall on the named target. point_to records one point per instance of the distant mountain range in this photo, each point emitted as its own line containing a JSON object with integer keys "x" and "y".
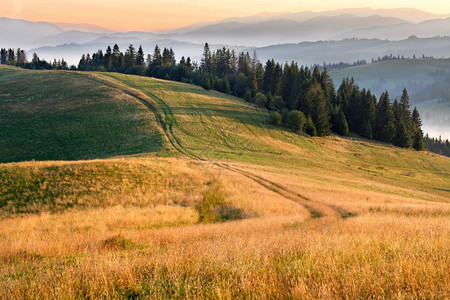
{"x": 351, "y": 50}
{"x": 306, "y": 36}
{"x": 20, "y": 33}
{"x": 281, "y": 30}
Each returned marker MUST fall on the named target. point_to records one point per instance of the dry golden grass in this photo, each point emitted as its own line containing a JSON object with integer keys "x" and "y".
{"x": 394, "y": 246}
{"x": 320, "y": 217}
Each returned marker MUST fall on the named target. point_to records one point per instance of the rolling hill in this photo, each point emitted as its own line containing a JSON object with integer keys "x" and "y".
{"x": 65, "y": 116}
{"x": 187, "y": 193}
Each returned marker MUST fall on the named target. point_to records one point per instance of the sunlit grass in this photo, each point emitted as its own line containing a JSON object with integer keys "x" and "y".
{"x": 190, "y": 227}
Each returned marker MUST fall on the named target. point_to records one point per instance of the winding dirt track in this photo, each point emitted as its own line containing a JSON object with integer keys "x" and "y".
{"x": 152, "y": 102}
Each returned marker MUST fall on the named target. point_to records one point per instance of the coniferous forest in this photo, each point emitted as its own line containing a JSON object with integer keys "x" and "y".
{"x": 298, "y": 97}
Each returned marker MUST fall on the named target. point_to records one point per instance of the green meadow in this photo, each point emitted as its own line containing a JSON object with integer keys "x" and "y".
{"x": 120, "y": 186}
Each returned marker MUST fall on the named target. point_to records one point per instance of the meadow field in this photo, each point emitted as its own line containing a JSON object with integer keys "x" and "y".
{"x": 119, "y": 186}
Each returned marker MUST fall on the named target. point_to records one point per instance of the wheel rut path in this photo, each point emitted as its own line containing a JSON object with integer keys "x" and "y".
{"x": 167, "y": 120}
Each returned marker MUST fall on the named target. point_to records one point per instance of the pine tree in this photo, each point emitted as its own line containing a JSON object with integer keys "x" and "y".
{"x": 116, "y": 61}
{"x": 108, "y": 59}
{"x": 35, "y": 61}
{"x": 269, "y": 74}
{"x": 3, "y": 56}
{"x": 168, "y": 57}
{"x": 130, "y": 58}
{"x": 418, "y": 140}
{"x": 140, "y": 57}
{"x": 384, "y": 127}
{"x": 157, "y": 57}
{"x": 11, "y": 58}
{"x": 289, "y": 85}
{"x": 320, "y": 109}
{"x": 121, "y": 63}
{"x": 402, "y": 138}
{"x": 339, "y": 121}
{"x": 328, "y": 86}
{"x": 205, "y": 63}
{"x": 405, "y": 113}
{"x": 368, "y": 107}
{"x": 316, "y": 75}
{"x": 416, "y": 120}
{"x": 310, "y": 128}
{"x": 20, "y": 58}
{"x": 354, "y": 110}
{"x": 344, "y": 93}
{"x": 82, "y": 63}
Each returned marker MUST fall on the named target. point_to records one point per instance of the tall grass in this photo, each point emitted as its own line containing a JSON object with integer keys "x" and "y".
{"x": 185, "y": 227}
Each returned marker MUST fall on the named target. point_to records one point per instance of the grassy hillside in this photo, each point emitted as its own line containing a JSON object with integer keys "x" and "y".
{"x": 241, "y": 210}
{"x": 62, "y": 115}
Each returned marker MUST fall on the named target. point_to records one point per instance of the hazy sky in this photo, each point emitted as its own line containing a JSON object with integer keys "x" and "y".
{"x": 168, "y": 14}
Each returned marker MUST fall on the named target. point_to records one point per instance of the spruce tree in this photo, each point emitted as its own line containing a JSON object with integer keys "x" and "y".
{"x": 339, "y": 121}
{"x": 344, "y": 93}
{"x": 354, "y": 110}
{"x": 368, "y": 108}
{"x": 108, "y": 59}
{"x": 11, "y": 58}
{"x": 416, "y": 120}
{"x": 319, "y": 111}
{"x": 402, "y": 138}
{"x": 116, "y": 61}
{"x": 157, "y": 57}
{"x": 130, "y": 58}
{"x": 384, "y": 127}
{"x": 310, "y": 128}
{"x": 140, "y": 57}
{"x": 81, "y": 63}
{"x": 405, "y": 113}
{"x": 418, "y": 140}
{"x": 327, "y": 85}
{"x": 3, "y": 59}
{"x": 205, "y": 63}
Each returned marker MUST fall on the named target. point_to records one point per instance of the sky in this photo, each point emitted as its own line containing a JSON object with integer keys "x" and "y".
{"x": 159, "y": 15}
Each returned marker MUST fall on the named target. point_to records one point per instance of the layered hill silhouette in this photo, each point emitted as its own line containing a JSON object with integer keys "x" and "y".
{"x": 262, "y": 30}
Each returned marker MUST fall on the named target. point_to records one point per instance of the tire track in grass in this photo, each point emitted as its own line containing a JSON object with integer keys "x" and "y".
{"x": 315, "y": 208}
{"x": 167, "y": 119}
{"x": 137, "y": 94}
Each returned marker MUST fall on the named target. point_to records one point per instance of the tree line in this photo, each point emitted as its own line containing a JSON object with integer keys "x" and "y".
{"x": 438, "y": 145}
{"x": 298, "y": 97}
{"x": 18, "y": 58}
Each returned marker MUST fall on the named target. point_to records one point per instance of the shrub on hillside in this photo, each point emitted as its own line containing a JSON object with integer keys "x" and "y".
{"x": 296, "y": 120}
{"x": 276, "y": 118}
